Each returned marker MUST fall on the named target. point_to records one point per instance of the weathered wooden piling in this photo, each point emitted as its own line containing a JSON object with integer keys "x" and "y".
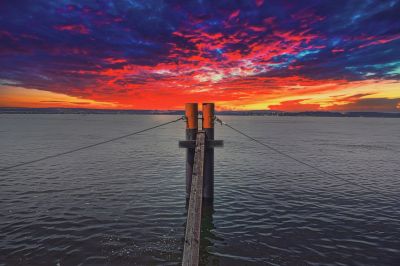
{"x": 191, "y": 249}
{"x": 192, "y": 114}
{"x": 208, "y": 127}
{"x": 199, "y": 175}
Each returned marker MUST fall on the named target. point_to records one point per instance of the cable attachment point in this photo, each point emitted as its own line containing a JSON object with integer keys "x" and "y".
{"x": 219, "y": 121}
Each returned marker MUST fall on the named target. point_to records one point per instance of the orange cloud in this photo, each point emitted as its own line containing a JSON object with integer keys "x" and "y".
{"x": 295, "y": 106}
{"x": 11, "y": 96}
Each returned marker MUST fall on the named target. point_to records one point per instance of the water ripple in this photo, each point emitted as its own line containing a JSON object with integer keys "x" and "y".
{"x": 124, "y": 204}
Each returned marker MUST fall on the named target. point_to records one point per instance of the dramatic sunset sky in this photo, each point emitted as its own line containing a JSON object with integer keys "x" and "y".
{"x": 153, "y": 54}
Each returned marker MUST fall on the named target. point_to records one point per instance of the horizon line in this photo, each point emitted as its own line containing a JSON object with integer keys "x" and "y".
{"x": 182, "y": 110}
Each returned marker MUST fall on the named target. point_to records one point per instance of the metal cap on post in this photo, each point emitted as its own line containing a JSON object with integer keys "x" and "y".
{"x": 192, "y": 114}
{"x": 208, "y": 116}
{"x": 208, "y": 127}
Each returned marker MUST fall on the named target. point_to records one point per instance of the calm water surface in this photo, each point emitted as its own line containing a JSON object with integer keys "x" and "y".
{"x": 123, "y": 203}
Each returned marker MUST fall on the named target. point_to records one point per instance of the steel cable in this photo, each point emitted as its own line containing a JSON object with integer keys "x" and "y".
{"x": 304, "y": 163}
{"x": 89, "y": 146}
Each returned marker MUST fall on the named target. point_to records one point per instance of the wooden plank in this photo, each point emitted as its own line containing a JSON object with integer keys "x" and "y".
{"x": 187, "y": 144}
{"x": 191, "y": 247}
{"x": 209, "y": 144}
{"x": 214, "y": 143}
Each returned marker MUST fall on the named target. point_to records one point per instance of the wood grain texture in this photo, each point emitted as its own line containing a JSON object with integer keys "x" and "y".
{"x": 193, "y": 222}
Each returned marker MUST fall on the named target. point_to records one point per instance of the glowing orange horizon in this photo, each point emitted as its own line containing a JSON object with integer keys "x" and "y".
{"x": 307, "y": 96}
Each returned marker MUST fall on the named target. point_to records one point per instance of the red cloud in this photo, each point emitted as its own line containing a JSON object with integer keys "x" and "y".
{"x": 338, "y": 50}
{"x": 379, "y": 41}
{"x": 234, "y": 14}
{"x": 257, "y": 28}
{"x": 78, "y": 28}
{"x": 259, "y": 2}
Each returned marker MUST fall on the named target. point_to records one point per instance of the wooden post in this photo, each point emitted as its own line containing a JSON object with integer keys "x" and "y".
{"x": 192, "y": 114}
{"x": 208, "y": 127}
{"x": 191, "y": 249}
{"x": 199, "y": 175}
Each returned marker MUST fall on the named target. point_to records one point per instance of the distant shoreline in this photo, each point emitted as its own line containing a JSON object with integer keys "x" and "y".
{"x": 20, "y": 110}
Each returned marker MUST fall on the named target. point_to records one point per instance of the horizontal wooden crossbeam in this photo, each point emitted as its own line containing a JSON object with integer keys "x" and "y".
{"x": 191, "y": 144}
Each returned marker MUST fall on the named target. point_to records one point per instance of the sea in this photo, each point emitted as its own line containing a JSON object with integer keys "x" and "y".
{"x": 123, "y": 202}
